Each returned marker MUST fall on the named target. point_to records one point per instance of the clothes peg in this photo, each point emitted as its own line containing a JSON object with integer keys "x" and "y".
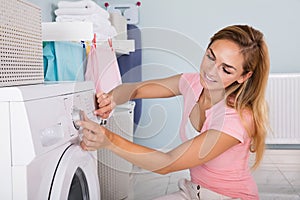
{"x": 88, "y": 47}
{"x": 94, "y": 40}
{"x": 83, "y": 44}
{"x": 110, "y": 43}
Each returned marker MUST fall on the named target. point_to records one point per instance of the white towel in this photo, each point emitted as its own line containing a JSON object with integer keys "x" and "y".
{"x": 102, "y": 27}
{"x": 86, "y": 11}
{"x": 82, "y": 11}
{"x": 76, "y": 4}
{"x": 94, "y": 18}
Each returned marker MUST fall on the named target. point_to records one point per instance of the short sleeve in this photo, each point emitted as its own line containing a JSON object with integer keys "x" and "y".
{"x": 228, "y": 121}
{"x": 189, "y": 82}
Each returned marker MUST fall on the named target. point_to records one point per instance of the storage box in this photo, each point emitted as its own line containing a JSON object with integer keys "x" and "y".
{"x": 21, "y": 53}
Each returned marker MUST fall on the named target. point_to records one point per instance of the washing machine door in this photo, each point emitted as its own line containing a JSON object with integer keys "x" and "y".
{"x": 76, "y": 176}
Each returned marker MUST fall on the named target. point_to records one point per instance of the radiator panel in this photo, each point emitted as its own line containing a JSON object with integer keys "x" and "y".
{"x": 283, "y": 96}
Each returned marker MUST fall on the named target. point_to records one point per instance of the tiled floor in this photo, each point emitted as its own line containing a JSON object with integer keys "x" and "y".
{"x": 278, "y": 178}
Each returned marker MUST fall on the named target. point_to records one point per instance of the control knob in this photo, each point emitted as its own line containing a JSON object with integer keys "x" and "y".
{"x": 76, "y": 116}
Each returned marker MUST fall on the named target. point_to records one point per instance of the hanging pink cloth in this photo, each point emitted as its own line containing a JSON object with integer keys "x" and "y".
{"x": 103, "y": 69}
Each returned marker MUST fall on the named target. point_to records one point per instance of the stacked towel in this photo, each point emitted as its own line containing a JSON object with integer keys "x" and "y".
{"x": 86, "y": 11}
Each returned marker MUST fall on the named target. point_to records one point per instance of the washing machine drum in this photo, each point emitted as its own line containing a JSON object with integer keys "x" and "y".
{"x": 75, "y": 177}
{"x": 79, "y": 188}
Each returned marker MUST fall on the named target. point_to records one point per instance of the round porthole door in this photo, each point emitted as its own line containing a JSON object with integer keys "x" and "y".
{"x": 76, "y": 176}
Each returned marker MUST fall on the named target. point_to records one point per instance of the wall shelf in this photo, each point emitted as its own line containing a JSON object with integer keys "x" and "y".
{"x": 81, "y": 31}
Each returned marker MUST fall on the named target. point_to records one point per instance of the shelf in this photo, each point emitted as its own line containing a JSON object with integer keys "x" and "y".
{"x": 81, "y": 31}
{"x": 67, "y": 31}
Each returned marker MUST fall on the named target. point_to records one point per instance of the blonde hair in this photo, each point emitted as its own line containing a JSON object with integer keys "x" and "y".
{"x": 251, "y": 93}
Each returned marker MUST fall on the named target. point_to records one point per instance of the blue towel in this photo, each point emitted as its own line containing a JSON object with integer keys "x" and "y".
{"x": 64, "y": 61}
{"x": 130, "y": 66}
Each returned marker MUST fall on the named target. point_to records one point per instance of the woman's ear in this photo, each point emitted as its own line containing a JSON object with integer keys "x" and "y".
{"x": 245, "y": 77}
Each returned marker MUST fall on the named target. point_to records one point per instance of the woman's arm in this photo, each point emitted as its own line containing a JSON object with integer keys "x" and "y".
{"x": 158, "y": 88}
{"x": 197, "y": 151}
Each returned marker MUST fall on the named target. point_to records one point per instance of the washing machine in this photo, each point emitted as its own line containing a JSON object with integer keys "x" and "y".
{"x": 40, "y": 156}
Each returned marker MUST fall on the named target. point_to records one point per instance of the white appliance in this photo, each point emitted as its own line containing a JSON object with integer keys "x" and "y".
{"x": 39, "y": 153}
{"x": 115, "y": 172}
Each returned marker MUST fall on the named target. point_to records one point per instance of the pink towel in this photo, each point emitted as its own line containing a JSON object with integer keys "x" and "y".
{"x": 103, "y": 69}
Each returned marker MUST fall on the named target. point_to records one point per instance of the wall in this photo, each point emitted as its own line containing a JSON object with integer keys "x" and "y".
{"x": 198, "y": 20}
{"x": 185, "y": 28}
{"x": 175, "y": 34}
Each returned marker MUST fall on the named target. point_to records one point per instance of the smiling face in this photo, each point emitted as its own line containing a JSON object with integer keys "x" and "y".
{"x": 222, "y": 65}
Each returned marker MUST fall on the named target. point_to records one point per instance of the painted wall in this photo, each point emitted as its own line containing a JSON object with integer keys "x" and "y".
{"x": 175, "y": 34}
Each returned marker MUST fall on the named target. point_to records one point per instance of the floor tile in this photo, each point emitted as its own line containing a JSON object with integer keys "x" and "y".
{"x": 278, "y": 175}
{"x": 279, "y": 197}
{"x": 284, "y": 157}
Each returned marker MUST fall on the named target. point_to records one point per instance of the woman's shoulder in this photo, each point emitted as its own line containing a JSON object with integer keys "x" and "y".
{"x": 190, "y": 77}
{"x": 190, "y": 82}
{"x": 244, "y": 117}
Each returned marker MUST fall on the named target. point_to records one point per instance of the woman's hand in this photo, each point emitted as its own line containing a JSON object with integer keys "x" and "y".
{"x": 105, "y": 105}
{"x": 94, "y": 136}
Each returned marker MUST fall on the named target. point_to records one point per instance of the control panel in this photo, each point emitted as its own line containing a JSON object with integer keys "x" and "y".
{"x": 63, "y": 112}
{"x": 77, "y": 106}
{"x": 44, "y": 118}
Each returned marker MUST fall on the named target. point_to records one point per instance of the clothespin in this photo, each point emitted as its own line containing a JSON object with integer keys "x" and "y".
{"x": 88, "y": 47}
{"x": 94, "y": 40}
{"x": 110, "y": 43}
{"x": 83, "y": 44}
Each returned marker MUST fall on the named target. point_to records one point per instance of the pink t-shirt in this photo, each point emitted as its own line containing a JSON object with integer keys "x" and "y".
{"x": 229, "y": 173}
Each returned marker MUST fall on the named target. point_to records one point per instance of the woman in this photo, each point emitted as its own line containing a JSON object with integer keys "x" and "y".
{"x": 224, "y": 108}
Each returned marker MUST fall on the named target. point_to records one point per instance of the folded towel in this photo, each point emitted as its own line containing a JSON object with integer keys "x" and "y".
{"x": 82, "y": 11}
{"x": 102, "y": 27}
{"x": 94, "y": 18}
{"x": 76, "y": 4}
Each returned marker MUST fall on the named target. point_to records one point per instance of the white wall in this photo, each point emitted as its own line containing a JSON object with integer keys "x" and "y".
{"x": 279, "y": 20}
{"x": 175, "y": 34}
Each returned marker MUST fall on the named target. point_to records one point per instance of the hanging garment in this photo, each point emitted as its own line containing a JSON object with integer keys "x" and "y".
{"x": 103, "y": 69}
{"x": 131, "y": 66}
{"x": 50, "y": 67}
{"x": 64, "y": 61}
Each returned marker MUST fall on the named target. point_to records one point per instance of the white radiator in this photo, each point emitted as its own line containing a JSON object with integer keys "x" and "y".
{"x": 283, "y": 96}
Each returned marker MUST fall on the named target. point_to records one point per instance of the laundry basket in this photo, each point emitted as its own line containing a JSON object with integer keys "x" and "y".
{"x": 114, "y": 171}
{"x": 21, "y": 53}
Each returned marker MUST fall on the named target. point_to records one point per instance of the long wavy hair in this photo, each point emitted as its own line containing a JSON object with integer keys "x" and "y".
{"x": 251, "y": 93}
